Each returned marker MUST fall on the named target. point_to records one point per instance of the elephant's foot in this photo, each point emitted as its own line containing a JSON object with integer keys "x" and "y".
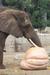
{"x": 2, "y": 66}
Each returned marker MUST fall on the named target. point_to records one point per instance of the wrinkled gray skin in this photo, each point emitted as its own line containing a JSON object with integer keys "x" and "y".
{"x": 17, "y": 23}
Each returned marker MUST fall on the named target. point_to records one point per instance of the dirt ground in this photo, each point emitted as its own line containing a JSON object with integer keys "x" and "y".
{"x": 12, "y": 66}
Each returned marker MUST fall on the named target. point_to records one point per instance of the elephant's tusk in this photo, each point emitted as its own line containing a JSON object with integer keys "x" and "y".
{"x": 32, "y": 43}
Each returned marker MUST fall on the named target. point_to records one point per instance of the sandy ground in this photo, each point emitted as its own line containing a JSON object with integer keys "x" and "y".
{"x": 12, "y": 66}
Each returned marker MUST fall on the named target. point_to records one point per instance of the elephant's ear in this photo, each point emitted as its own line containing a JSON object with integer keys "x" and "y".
{"x": 9, "y": 25}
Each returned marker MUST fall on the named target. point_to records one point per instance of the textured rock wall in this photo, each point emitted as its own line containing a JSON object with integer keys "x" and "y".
{"x": 21, "y": 44}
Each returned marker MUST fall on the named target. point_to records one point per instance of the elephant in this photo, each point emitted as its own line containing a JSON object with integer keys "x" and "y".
{"x": 18, "y": 24}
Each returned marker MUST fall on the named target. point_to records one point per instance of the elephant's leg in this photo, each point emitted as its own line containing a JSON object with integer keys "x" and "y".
{"x": 2, "y": 44}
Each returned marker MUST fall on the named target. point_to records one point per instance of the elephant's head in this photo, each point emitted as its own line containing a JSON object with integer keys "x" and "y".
{"x": 27, "y": 29}
{"x": 18, "y": 23}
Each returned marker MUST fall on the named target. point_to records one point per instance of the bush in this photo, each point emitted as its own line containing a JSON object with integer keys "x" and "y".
{"x": 9, "y": 2}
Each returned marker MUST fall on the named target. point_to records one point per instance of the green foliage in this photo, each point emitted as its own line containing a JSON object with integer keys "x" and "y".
{"x": 4, "y": 3}
{"x": 48, "y": 23}
{"x": 9, "y": 2}
{"x": 38, "y": 16}
{"x": 48, "y": 13}
{"x": 38, "y": 22}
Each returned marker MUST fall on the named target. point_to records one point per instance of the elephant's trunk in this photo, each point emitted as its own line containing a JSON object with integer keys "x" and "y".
{"x": 35, "y": 40}
{"x": 31, "y": 34}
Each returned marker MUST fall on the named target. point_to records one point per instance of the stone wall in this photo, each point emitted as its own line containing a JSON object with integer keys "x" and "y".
{"x": 21, "y": 44}
{"x": 13, "y": 44}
